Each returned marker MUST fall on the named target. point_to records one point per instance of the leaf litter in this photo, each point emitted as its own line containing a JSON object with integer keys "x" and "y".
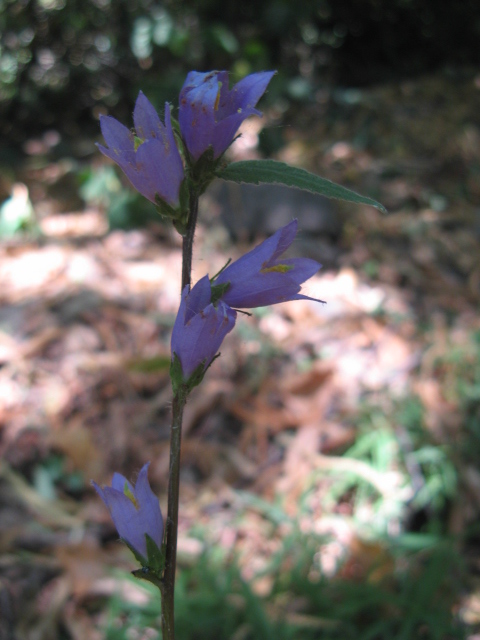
{"x": 85, "y": 325}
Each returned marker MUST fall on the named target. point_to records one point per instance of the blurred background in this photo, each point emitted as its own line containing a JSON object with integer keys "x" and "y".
{"x": 330, "y": 473}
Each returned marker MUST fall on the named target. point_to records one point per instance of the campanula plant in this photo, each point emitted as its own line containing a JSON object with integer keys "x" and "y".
{"x": 171, "y": 165}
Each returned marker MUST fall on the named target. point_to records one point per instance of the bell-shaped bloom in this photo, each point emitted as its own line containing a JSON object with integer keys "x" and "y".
{"x": 210, "y": 113}
{"x": 134, "y": 509}
{"x": 261, "y": 277}
{"x": 150, "y": 159}
{"x": 200, "y": 327}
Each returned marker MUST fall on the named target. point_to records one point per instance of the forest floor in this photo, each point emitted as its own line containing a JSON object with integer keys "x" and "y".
{"x": 334, "y": 444}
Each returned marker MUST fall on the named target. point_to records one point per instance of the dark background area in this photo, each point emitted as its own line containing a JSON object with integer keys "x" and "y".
{"x": 63, "y": 63}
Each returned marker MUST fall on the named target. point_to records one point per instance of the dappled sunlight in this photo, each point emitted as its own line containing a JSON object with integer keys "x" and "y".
{"x": 327, "y": 448}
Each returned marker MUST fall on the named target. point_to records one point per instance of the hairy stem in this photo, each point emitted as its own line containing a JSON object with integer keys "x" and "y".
{"x": 168, "y": 582}
{"x": 168, "y": 586}
{"x": 187, "y": 248}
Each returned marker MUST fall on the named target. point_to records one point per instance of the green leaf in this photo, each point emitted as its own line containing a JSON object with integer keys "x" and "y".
{"x": 274, "y": 172}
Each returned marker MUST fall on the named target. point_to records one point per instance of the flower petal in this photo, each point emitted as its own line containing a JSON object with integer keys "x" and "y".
{"x": 250, "y": 264}
{"x": 146, "y": 120}
{"x": 246, "y": 93}
{"x": 118, "y": 483}
{"x": 148, "y": 507}
{"x": 198, "y": 298}
{"x": 210, "y": 113}
{"x": 200, "y": 338}
{"x": 126, "y": 518}
{"x": 155, "y": 168}
{"x": 261, "y": 277}
{"x": 285, "y": 236}
{"x": 119, "y": 140}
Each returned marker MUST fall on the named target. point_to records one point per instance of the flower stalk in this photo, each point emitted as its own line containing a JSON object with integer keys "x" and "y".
{"x": 167, "y": 588}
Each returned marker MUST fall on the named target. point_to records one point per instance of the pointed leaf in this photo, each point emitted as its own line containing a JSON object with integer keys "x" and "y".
{"x": 274, "y": 172}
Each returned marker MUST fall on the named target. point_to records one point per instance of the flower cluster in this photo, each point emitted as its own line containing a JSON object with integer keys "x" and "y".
{"x": 159, "y": 159}
{"x": 209, "y": 117}
{"x": 260, "y": 278}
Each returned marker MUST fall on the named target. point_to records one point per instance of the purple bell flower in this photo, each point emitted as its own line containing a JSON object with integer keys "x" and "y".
{"x": 150, "y": 159}
{"x": 210, "y": 113}
{"x": 134, "y": 509}
{"x": 200, "y": 327}
{"x": 261, "y": 277}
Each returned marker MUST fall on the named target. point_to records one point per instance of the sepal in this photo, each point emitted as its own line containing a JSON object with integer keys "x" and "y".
{"x": 179, "y": 215}
{"x": 203, "y": 170}
{"x": 156, "y": 556}
{"x": 176, "y": 374}
{"x": 179, "y": 384}
{"x": 218, "y": 290}
{"x": 154, "y": 562}
{"x": 138, "y": 556}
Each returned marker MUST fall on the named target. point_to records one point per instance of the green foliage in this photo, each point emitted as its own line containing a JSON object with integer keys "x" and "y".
{"x": 274, "y": 172}
{"x": 17, "y": 214}
{"x": 461, "y": 370}
{"x": 51, "y": 473}
{"x": 414, "y": 601}
{"x": 62, "y": 62}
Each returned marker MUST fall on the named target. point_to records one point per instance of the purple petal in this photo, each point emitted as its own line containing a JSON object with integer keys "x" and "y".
{"x": 286, "y": 235}
{"x": 204, "y": 88}
{"x": 140, "y": 179}
{"x": 252, "y": 262}
{"x": 124, "y": 516}
{"x": 133, "y": 521}
{"x": 146, "y": 120}
{"x": 226, "y": 129}
{"x": 210, "y": 113}
{"x": 254, "y": 283}
{"x": 246, "y": 93}
{"x": 300, "y": 296}
{"x": 260, "y": 291}
{"x": 118, "y": 483}
{"x": 119, "y": 140}
{"x": 267, "y": 289}
{"x": 303, "y": 268}
{"x": 148, "y": 508}
{"x": 129, "y": 525}
{"x": 177, "y": 331}
{"x": 170, "y": 142}
{"x": 158, "y": 172}
{"x": 198, "y": 298}
{"x": 199, "y": 340}
{"x": 196, "y": 112}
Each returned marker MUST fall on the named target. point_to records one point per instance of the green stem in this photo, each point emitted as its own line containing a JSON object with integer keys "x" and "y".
{"x": 167, "y": 588}
{"x": 187, "y": 248}
{"x": 168, "y": 582}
